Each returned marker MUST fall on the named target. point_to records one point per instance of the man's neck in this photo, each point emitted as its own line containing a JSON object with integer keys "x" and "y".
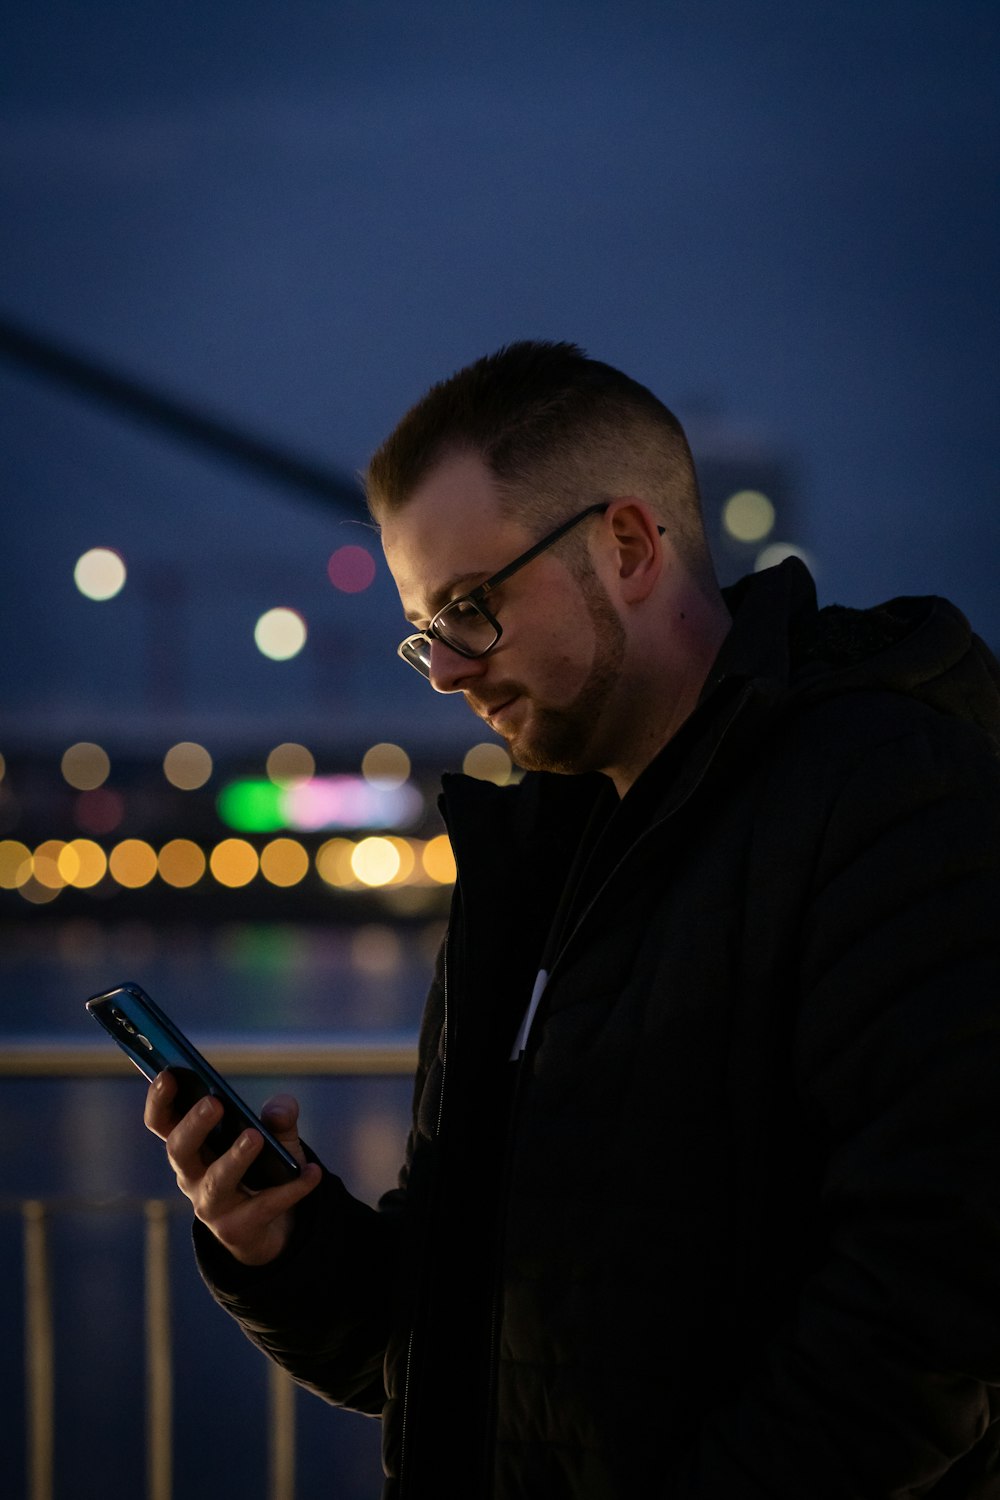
{"x": 696, "y": 631}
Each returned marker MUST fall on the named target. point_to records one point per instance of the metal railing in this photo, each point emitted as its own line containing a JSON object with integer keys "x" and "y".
{"x": 46, "y": 1058}
{"x": 300, "y": 1056}
{"x": 40, "y": 1358}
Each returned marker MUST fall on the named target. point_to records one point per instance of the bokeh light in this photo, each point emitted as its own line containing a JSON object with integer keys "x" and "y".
{"x": 99, "y": 811}
{"x": 488, "y": 762}
{"x": 351, "y": 569}
{"x": 38, "y": 894}
{"x": 85, "y": 766}
{"x": 349, "y": 802}
{"x": 284, "y": 862}
{"x": 333, "y": 863}
{"x": 100, "y": 573}
{"x": 280, "y": 634}
{"x": 45, "y": 866}
{"x": 132, "y": 863}
{"x": 15, "y": 864}
{"x": 181, "y": 863}
{"x": 251, "y": 806}
{"x": 748, "y": 516}
{"x": 290, "y": 765}
{"x": 439, "y": 861}
{"x": 187, "y": 766}
{"x": 385, "y": 765}
{"x": 82, "y": 863}
{"x": 407, "y": 858}
{"x": 234, "y": 862}
{"x": 375, "y": 861}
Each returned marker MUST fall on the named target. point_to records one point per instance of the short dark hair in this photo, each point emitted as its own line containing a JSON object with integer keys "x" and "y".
{"x": 557, "y": 429}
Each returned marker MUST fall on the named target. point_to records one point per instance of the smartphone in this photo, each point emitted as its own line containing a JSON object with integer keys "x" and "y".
{"x": 152, "y": 1042}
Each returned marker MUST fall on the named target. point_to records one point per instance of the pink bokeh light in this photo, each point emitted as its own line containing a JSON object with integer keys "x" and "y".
{"x": 351, "y": 569}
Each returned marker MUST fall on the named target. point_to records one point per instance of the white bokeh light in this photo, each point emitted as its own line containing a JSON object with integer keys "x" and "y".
{"x": 280, "y": 634}
{"x": 100, "y": 574}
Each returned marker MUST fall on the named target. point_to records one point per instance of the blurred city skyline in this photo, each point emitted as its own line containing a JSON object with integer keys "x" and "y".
{"x": 294, "y": 218}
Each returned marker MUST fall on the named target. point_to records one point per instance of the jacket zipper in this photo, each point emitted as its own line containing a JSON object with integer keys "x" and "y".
{"x": 406, "y": 1393}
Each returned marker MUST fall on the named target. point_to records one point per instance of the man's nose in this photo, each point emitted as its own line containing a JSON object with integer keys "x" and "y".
{"x": 450, "y": 671}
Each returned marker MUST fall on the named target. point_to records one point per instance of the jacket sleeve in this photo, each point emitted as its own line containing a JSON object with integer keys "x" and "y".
{"x": 888, "y": 1372}
{"x": 321, "y": 1310}
{"x": 326, "y": 1309}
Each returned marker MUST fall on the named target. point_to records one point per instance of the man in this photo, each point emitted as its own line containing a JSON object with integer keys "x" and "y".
{"x": 701, "y": 1196}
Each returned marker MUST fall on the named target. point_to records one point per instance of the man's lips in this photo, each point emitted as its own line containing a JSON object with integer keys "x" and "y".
{"x": 496, "y": 711}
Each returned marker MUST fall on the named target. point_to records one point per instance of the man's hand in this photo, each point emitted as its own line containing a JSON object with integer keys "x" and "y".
{"x": 253, "y": 1227}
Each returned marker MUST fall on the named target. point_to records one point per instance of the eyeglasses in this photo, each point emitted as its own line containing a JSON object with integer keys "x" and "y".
{"x": 465, "y": 624}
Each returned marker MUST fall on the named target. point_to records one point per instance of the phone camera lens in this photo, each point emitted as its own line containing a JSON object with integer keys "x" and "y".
{"x": 124, "y": 1022}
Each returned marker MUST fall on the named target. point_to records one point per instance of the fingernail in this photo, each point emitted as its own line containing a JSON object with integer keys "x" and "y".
{"x": 244, "y": 1143}
{"x": 206, "y": 1108}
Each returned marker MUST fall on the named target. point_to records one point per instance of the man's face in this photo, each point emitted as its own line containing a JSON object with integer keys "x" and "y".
{"x": 548, "y": 685}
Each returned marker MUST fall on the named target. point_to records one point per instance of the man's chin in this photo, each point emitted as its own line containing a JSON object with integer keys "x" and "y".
{"x": 548, "y": 746}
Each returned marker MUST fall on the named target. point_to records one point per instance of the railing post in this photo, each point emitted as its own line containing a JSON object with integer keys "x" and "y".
{"x": 38, "y": 1352}
{"x": 159, "y": 1372}
{"x": 281, "y": 1435}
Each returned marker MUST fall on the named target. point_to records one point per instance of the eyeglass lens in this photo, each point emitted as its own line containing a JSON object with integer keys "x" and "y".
{"x": 463, "y": 625}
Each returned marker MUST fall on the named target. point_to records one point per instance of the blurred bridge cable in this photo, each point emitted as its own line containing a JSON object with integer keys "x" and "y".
{"x": 181, "y": 420}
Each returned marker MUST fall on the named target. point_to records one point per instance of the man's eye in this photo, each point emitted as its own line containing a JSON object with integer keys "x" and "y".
{"x": 462, "y": 609}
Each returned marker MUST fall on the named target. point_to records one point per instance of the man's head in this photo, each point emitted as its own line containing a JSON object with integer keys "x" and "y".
{"x": 557, "y": 431}
{"x": 527, "y": 497}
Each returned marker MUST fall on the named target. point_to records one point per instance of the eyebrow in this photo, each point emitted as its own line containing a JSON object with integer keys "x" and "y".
{"x": 445, "y": 593}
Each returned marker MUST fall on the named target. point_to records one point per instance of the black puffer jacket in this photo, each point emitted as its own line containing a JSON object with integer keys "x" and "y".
{"x": 733, "y": 1232}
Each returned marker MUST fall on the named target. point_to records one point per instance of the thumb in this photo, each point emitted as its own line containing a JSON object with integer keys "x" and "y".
{"x": 281, "y": 1116}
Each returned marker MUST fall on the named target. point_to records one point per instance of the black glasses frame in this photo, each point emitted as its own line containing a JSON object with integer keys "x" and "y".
{"x": 416, "y": 649}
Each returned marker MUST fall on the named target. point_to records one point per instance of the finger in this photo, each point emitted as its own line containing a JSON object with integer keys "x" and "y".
{"x": 185, "y": 1141}
{"x": 223, "y": 1180}
{"x": 159, "y": 1115}
{"x": 254, "y": 1227}
{"x": 281, "y": 1116}
{"x": 278, "y": 1200}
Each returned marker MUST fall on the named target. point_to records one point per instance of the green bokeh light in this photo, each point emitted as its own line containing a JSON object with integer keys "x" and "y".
{"x": 251, "y": 806}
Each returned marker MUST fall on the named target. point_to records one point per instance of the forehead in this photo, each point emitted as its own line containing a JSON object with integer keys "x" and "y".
{"x": 450, "y": 535}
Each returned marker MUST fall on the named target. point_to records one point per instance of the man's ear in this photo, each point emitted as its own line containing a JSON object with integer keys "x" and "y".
{"x": 639, "y": 548}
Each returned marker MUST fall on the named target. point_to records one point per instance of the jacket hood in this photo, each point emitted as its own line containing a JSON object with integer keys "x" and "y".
{"x": 921, "y": 646}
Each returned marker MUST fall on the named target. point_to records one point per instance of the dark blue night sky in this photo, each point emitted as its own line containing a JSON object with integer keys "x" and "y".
{"x": 298, "y": 215}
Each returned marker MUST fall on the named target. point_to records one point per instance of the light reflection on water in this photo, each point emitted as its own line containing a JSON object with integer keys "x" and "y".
{"x": 84, "y": 1140}
{"x": 236, "y": 977}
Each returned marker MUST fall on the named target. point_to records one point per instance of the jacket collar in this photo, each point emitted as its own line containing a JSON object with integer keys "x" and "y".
{"x": 774, "y": 615}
